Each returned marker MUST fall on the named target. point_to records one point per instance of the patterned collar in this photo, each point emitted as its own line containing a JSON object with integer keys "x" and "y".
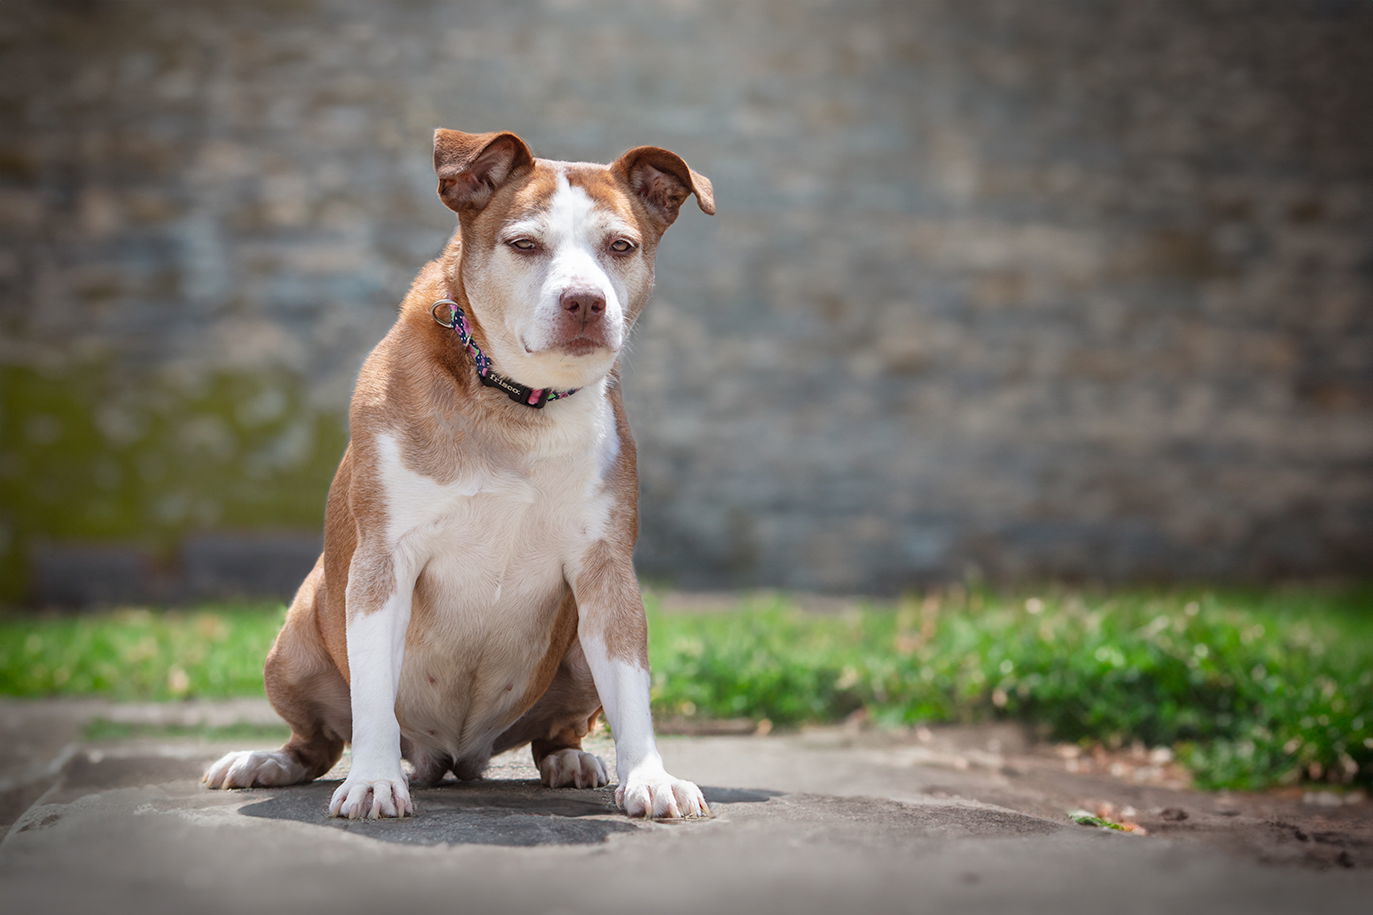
{"x": 448, "y": 313}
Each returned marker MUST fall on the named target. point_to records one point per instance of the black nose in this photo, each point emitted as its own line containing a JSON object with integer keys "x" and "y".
{"x": 583, "y": 301}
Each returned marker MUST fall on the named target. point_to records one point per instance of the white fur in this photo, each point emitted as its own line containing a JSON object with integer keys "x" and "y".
{"x": 253, "y": 769}
{"x": 492, "y": 548}
{"x": 495, "y": 547}
{"x": 645, "y": 789}
{"x": 526, "y": 290}
{"x": 571, "y": 768}
{"x": 376, "y": 784}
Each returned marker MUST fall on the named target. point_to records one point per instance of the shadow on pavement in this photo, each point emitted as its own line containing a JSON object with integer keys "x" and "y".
{"x": 518, "y": 813}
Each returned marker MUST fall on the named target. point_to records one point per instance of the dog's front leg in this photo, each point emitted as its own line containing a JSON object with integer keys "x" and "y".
{"x": 614, "y": 637}
{"x": 381, "y": 584}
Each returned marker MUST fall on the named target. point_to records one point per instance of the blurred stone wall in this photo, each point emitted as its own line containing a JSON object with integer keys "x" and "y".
{"x": 1068, "y": 289}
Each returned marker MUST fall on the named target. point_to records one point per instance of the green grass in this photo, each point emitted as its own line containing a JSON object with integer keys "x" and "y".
{"x": 1253, "y": 689}
{"x": 244, "y": 731}
{"x": 139, "y": 654}
{"x": 1083, "y": 818}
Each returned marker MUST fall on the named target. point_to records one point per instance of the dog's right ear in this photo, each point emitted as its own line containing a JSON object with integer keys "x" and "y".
{"x": 471, "y": 166}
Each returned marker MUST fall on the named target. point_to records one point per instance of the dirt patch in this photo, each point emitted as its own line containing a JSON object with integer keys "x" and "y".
{"x": 1003, "y": 765}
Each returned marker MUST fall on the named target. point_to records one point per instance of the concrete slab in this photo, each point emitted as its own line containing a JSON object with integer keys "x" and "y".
{"x": 816, "y": 822}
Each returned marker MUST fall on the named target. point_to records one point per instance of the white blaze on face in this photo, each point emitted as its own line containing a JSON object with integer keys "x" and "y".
{"x": 526, "y": 289}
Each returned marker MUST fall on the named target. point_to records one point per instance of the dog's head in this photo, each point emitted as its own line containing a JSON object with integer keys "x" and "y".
{"x": 557, "y": 257}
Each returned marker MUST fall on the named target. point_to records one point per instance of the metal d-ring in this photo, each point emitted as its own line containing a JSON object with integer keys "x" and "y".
{"x": 453, "y": 309}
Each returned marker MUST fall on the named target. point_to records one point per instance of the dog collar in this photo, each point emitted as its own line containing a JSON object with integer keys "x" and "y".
{"x": 448, "y": 313}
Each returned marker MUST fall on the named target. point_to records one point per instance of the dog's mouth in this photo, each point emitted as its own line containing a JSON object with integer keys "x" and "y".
{"x": 582, "y": 345}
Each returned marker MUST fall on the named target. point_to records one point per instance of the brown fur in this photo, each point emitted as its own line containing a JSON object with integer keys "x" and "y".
{"x": 418, "y": 384}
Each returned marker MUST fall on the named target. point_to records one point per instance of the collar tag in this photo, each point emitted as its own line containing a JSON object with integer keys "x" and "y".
{"x": 530, "y": 397}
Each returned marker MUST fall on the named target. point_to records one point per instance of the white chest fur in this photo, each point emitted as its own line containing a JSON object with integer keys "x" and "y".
{"x": 489, "y": 550}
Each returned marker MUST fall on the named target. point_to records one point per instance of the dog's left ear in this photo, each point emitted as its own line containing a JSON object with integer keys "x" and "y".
{"x": 471, "y": 166}
{"x": 662, "y": 180}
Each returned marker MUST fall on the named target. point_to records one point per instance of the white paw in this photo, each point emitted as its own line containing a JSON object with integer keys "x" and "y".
{"x": 252, "y": 769}
{"x": 659, "y": 795}
{"x": 572, "y": 768}
{"x": 371, "y": 797}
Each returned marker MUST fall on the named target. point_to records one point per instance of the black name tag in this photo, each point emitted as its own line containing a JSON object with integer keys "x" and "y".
{"x": 516, "y": 391}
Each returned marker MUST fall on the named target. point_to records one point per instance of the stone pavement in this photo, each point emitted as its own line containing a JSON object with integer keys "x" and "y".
{"x": 830, "y": 820}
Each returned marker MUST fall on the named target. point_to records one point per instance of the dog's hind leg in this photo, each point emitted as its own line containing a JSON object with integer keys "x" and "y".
{"x": 555, "y": 725}
{"x": 564, "y": 764}
{"x": 307, "y": 690}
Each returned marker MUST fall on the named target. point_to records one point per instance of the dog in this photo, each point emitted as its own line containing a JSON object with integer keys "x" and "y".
{"x": 476, "y": 590}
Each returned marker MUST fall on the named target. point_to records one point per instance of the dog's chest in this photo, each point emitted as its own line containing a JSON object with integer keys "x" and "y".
{"x": 490, "y": 547}
{"x": 497, "y": 529}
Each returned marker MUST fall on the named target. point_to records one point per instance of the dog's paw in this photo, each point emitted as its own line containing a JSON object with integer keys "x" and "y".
{"x": 570, "y": 768}
{"x": 372, "y": 797}
{"x": 254, "y": 769}
{"x": 660, "y": 796}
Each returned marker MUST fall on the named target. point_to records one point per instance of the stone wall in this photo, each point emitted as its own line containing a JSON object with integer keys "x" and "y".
{"x": 1068, "y": 289}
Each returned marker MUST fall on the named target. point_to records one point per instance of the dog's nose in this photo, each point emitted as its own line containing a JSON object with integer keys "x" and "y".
{"x": 583, "y": 301}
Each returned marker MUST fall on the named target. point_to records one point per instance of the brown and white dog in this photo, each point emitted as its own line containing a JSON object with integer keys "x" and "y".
{"x": 476, "y": 590}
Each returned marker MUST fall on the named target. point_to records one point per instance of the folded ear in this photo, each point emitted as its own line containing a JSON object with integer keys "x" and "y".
{"x": 471, "y": 166}
{"x": 662, "y": 180}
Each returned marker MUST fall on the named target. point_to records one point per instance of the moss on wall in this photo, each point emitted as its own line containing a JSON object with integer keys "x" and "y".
{"x": 96, "y": 452}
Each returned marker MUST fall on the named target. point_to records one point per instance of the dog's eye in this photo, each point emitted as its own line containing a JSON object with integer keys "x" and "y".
{"x": 622, "y": 246}
{"x": 523, "y": 244}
